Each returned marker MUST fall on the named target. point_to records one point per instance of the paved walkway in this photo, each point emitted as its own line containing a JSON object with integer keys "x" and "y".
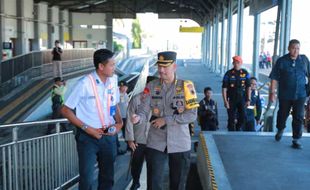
{"x": 203, "y": 77}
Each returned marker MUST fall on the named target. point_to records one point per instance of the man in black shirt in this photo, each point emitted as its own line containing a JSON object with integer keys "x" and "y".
{"x": 207, "y": 112}
{"x": 57, "y": 66}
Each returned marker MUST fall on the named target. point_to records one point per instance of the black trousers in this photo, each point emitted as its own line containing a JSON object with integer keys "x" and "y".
{"x": 298, "y": 115}
{"x": 124, "y": 126}
{"x": 137, "y": 162}
{"x": 179, "y": 164}
{"x": 236, "y": 111}
{"x": 63, "y": 126}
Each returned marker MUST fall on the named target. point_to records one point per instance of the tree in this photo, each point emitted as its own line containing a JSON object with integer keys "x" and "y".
{"x": 136, "y": 34}
{"x": 117, "y": 47}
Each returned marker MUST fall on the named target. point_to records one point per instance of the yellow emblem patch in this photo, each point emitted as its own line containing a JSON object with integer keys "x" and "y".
{"x": 190, "y": 95}
{"x": 161, "y": 58}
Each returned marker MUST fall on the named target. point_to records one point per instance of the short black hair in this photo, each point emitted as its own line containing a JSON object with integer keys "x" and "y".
{"x": 58, "y": 79}
{"x": 207, "y": 89}
{"x": 57, "y": 42}
{"x": 253, "y": 78}
{"x": 101, "y": 56}
{"x": 293, "y": 41}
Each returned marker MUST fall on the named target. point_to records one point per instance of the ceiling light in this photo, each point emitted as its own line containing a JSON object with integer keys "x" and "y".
{"x": 99, "y": 2}
{"x": 83, "y": 6}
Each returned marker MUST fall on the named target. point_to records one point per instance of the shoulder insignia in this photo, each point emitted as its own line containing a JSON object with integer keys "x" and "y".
{"x": 190, "y": 95}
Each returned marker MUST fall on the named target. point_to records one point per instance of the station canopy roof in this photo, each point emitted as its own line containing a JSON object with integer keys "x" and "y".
{"x": 198, "y": 10}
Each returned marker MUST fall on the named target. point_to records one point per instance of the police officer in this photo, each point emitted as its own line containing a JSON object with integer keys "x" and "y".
{"x": 289, "y": 76}
{"x": 173, "y": 104}
{"x": 136, "y": 136}
{"x": 95, "y": 98}
{"x": 236, "y": 94}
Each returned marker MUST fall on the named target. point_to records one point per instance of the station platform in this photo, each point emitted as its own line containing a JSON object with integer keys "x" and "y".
{"x": 243, "y": 161}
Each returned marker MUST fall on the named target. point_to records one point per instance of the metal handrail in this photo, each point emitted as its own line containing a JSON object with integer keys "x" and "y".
{"x": 30, "y": 123}
{"x": 45, "y": 162}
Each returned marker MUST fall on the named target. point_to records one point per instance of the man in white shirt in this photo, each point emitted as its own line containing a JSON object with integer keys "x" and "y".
{"x": 95, "y": 98}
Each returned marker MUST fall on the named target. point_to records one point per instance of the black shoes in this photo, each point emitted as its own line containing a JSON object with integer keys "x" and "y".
{"x": 296, "y": 144}
{"x": 279, "y": 135}
{"x": 134, "y": 186}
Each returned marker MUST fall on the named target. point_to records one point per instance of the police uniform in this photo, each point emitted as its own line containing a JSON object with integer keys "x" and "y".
{"x": 123, "y": 105}
{"x": 176, "y": 103}
{"x": 138, "y": 134}
{"x": 254, "y": 111}
{"x": 207, "y": 113}
{"x": 236, "y": 82}
{"x": 83, "y": 99}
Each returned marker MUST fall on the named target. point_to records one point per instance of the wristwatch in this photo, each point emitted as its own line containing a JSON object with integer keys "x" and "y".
{"x": 84, "y": 127}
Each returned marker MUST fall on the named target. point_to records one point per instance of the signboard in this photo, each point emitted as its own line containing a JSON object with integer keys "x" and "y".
{"x": 258, "y": 6}
{"x": 7, "y": 45}
{"x": 196, "y": 29}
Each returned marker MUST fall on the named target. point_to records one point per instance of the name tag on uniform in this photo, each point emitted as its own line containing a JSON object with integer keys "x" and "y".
{"x": 112, "y": 110}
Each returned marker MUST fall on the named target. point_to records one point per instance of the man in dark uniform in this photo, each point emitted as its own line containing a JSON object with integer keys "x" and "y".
{"x": 173, "y": 104}
{"x": 236, "y": 94}
{"x": 289, "y": 76}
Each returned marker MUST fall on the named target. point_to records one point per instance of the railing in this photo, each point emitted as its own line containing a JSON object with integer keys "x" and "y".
{"x": 45, "y": 162}
{"x": 19, "y": 70}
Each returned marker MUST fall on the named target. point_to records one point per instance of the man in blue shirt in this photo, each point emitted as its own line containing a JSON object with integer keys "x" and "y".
{"x": 289, "y": 76}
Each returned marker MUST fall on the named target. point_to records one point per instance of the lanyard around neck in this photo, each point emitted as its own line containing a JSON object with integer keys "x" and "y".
{"x": 98, "y": 103}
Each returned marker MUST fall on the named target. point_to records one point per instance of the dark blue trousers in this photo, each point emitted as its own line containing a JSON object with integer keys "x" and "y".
{"x": 298, "y": 115}
{"x": 179, "y": 164}
{"x": 91, "y": 151}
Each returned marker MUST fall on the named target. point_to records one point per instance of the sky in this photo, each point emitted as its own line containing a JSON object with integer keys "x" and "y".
{"x": 163, "y": 34}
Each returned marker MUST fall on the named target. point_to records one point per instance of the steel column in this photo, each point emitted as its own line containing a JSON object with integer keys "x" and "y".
{"x": 256, "y": 45}
{"x": 239, "y": 28}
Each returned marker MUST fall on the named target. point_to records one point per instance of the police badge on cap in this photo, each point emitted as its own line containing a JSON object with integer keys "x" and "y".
{"x": 166, "y": 58}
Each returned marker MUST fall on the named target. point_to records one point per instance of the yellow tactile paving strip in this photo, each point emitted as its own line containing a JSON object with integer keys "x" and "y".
{"x": 24, "y": 97}
{"x": 209, "y": 164}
